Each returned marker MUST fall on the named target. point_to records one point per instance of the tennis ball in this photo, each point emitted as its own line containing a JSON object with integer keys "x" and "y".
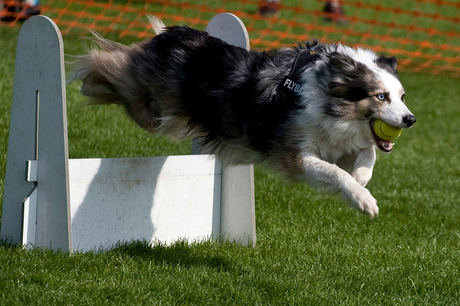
{"x": 386, "y": 131}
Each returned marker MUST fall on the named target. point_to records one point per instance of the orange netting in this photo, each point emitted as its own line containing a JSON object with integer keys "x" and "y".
{"x": 424, "y": 35}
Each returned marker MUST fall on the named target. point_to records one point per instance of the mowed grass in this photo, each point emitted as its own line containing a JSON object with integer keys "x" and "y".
{"x": 311, "y": 249}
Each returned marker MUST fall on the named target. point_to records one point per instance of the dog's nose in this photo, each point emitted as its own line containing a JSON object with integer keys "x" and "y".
{"x": 409, "y": 120}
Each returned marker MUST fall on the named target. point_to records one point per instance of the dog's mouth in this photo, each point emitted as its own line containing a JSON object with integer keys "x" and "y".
{"x": 384, "y": 145}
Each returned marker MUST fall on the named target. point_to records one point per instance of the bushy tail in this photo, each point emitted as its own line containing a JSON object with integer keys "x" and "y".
{"x": 157, "y": 25}
{"x": 103, "y": 70}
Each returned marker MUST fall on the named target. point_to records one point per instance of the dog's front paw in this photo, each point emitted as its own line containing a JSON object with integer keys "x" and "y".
{"x": 361, "y": 199}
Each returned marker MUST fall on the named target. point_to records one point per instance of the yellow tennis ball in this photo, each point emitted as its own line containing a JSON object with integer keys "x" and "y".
{"x": 386, "y": 131}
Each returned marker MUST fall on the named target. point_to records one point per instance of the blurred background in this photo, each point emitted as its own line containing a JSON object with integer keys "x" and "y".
{"x": 424, "y": 35}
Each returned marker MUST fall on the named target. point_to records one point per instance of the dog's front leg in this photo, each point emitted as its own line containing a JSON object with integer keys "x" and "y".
{"x": 319, "y": 173}
{"x": 364, "y": 164}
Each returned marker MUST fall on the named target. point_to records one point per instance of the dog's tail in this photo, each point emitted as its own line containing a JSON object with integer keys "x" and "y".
{"x": 157, "y": 24}
{"x": 103, "y": 70}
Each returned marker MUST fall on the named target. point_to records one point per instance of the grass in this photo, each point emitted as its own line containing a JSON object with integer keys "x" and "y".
{"x": 311, "y": 249}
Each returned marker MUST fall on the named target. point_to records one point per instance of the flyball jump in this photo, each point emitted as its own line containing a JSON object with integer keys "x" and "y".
{"x": 85, "y": 204}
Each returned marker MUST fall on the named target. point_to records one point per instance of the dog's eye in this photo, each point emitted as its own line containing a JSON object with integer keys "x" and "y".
{"x": 381, "y": 96}
{"x": 403, "y": 98}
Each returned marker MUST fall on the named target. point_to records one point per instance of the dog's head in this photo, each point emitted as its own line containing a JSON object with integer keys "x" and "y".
{"x": 368, "y": 90}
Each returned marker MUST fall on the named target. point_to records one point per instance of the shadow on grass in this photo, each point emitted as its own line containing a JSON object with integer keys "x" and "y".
{"x": 181, "y": 253}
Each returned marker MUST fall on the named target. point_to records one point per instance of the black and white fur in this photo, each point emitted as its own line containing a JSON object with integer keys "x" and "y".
{"x": 185, "y": 83}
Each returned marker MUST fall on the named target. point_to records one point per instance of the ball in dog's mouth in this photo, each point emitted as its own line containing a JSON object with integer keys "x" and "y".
{"x": 384, "y": 145}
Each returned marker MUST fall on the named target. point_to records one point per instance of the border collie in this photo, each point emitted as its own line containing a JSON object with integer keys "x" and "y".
{"x": 307, "y": 110}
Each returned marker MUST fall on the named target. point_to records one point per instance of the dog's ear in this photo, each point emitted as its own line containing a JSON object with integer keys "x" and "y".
{"x": 387, "y": 63}
{"x": 346, "y": 66}
{"x": 349, "y": 79}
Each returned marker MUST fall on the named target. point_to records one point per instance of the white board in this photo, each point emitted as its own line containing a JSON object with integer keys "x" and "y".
{"x": 152, "y": 198}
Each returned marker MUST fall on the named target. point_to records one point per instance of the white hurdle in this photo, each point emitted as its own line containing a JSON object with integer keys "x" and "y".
{"x": 88, "y": 204}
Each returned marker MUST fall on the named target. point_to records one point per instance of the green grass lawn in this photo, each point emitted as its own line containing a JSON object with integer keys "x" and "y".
{"x": 311, "y": 249}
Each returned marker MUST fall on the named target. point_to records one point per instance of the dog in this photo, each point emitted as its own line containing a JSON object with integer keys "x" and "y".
{"x": 307, "y": 110}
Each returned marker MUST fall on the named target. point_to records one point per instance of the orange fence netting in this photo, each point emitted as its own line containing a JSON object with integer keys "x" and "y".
{"x": 424, "y": 35}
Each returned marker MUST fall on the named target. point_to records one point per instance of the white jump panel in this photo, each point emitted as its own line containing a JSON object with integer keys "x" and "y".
{"x": 155, "y": 198}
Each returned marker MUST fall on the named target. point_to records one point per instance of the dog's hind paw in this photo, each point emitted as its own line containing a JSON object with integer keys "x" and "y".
{"x": 361, "y": 199}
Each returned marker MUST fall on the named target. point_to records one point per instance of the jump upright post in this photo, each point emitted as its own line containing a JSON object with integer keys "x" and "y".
{"x": 88, "y": 204}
